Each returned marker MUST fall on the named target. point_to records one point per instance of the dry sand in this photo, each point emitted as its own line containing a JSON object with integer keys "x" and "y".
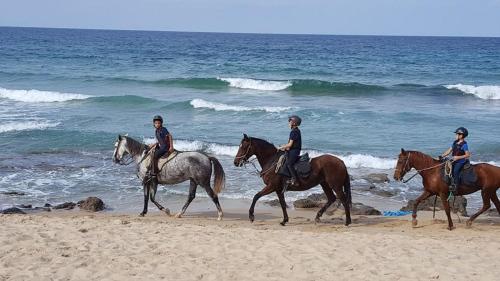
{"x": 69, "y": 245}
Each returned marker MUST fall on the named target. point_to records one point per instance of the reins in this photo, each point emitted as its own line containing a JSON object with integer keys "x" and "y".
{"x": 419, "y": 171}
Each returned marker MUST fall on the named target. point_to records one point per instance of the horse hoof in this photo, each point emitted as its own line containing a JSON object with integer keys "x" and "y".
{"x": 283, "y": 223}
{"x": 414, "y": 222}
{"x": 178, "y": 215}
{"x": 167, "y": 211}
{"x": 219, "y": 217}
{"x": 317, "y": 220}
{"x": 450, "y": 228}
{"x": 141, "y": 214}
{"x": 251, "y": 217}
{"x": 468, "y": 224}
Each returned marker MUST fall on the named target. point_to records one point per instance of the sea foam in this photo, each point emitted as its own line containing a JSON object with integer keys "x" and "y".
{"x": 36, "y": 96}
{"x": 351, "y": 161}
{"x": 26, "y": 126}
{"x": 200, "y": 103}
{"x": 482, "y": 92}
{"x": 255, "y": 84}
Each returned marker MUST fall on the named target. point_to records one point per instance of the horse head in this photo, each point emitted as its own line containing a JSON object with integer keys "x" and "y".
{"x": 245, "y": 151}
{"x": 121, "y": 149}
{"x": 403, "y": 165}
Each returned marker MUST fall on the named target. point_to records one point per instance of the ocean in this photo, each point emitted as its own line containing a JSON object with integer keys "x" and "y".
{"x": 65, "y": 95}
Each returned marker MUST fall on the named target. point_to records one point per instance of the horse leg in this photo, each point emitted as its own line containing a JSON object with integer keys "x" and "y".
{"x": 281, "y": 198}
{"x": 494, "y": 199}
{"x": 331, "y": 199}
{"x": 266, "y": 190}
{"x": 215, "y": 198}
{"x": 426, "y": 194}
{"x": 446, "y": 206}
{"x": 486, "y": 194}
{"x": 152, "y": 196}
{"x": 192, "y": 194}
{"x": 146, "y": 199}
{"x": 343, "y": 198}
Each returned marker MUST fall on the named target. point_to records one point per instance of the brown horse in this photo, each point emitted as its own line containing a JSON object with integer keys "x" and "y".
{"x": 327, "y": 170}
{"x": 488, "y": 181}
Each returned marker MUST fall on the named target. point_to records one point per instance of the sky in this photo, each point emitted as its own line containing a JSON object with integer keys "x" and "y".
{"x": 347, "y": 17}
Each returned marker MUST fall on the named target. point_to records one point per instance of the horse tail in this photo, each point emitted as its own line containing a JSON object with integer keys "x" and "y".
{"x": 347, "y": 188}
{"x": 219, "y": 175}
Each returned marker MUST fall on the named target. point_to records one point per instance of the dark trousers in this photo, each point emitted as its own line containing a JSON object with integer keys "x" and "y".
{"x": 457, "y": 167}
{"x": 291, "y": 159}
{"x": 159, "y": 152}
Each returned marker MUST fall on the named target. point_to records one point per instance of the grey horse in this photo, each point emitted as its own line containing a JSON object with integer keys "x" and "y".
{"x": 190, "y": 165}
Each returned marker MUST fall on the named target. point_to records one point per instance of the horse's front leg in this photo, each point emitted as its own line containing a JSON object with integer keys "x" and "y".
{"x": 152, "y": 196}
{"x": 426, "y": 194}
{"x": 281, "y": 198}
{"x": 265, "y": 191}
{"x": 146, "y": 199}
{"x": 446, "y": 206}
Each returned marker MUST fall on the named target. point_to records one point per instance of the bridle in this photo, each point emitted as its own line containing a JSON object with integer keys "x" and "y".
{"x": 246, "y": 161}
{"x": 405, "y": 165}
{"x": 418, "y": 171}
{"x": 124, "y": 160}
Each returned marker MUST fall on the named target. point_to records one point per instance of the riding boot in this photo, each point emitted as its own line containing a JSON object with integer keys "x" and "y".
{"x": 293, "y": 180}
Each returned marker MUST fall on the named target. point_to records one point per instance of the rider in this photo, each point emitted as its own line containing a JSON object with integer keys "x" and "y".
{"x": 460, "y": 152}
{"x": 164, "y": 144}
{"x": 293, "y": 147}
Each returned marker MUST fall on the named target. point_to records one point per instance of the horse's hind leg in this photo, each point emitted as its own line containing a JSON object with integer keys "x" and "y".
{"x": 214, "y": 197}
{"x": 331, "y": 199}
{"x": 146, "y": 199}
{"x": 426, "y": 194}
{"x": 494, "y": 199}
{"x": 192, "y": 194}
{"x": 152, "y": 196}
{"x": 487, "y": 196}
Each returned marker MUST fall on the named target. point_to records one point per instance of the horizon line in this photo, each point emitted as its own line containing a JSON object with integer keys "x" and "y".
{"x": 249, "y": 33}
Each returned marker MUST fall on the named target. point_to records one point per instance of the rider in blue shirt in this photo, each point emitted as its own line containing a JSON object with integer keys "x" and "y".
{"x": 293, "y": 147}
{"x": 164, "y": 144}
{"x": 460, "y": 152}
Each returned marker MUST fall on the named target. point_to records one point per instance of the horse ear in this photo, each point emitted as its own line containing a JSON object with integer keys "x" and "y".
{"x": 119, "y": 137}
{"x": 403, "y": 151}
{"x": 245, "y": 137}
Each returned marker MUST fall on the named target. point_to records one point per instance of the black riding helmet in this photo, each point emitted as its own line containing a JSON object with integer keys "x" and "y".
{"x": 463, "y": 131}
{"x": 296, "y": 119}
{"x": 158, "y": 118}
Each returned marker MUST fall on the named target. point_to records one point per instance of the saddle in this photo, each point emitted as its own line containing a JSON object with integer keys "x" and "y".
{"x": 302, "y": 167}
{"x": 467, "y": 176}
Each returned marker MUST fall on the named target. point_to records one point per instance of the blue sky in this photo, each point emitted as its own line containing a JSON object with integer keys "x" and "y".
{"x": 377, "y": 17}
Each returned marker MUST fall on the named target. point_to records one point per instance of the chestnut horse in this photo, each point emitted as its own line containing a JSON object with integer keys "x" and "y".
{"x": 327, "y": 170}
{"x": 488, "y": 181}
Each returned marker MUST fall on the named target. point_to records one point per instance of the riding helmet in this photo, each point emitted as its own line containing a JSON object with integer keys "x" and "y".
{"x": 158, "y": 118}
{"x": 462, "y": 131}
{"x": 296, "y": 119}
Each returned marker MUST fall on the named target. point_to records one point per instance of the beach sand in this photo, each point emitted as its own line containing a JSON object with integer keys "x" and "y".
{"x": 74, "y": 245}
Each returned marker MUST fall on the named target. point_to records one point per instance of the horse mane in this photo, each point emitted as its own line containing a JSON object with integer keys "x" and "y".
{"x": 263, "y": 143}
{"x": 135, "y": 147}
{"x": 427, "y": 159}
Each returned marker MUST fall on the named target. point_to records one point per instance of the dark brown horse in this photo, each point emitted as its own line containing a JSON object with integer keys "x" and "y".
{"x": 327, "y": 170}
{"x": 488, "y": 181}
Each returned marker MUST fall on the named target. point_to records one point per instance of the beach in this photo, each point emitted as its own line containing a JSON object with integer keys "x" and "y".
{"x": 77, "y": 245}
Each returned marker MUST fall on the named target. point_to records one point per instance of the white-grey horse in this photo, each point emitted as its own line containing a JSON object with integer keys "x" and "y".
{"x": 190, "y": 165}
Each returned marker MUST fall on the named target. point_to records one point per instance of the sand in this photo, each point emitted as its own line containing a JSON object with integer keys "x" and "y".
{"x": 72, "y": 245}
